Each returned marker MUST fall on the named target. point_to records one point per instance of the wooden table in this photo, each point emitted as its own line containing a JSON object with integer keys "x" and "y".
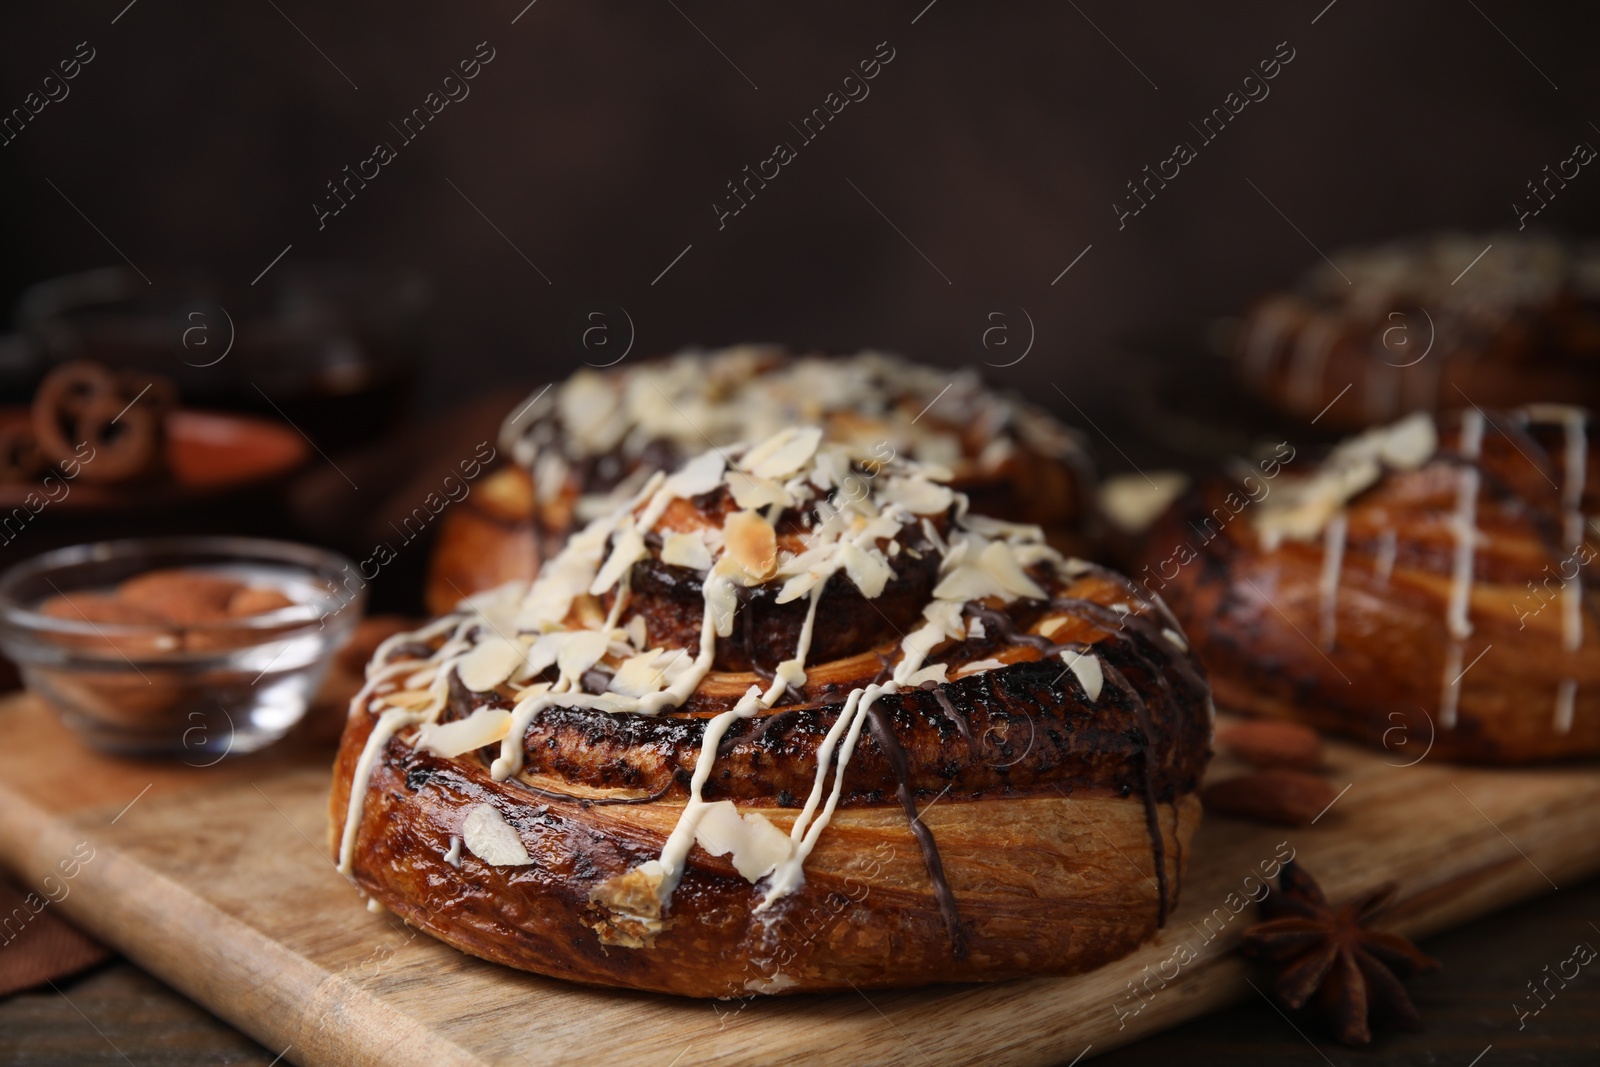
{"x": 119, "y": 1015}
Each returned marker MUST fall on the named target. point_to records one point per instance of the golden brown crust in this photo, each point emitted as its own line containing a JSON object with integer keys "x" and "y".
{"x": 1375, "y": 658}
{"x": 1050, "y": 882}
{"x": 1046, "y": 884}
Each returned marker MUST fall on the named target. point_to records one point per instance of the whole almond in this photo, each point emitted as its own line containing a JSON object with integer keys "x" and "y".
{"x": 181, "y": 597}
{"x": 1288, "y": 798}
{"x": 256, "y": 600}
{"x": 1273, "y": 744}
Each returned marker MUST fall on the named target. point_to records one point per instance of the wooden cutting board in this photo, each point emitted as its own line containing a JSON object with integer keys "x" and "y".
{"x": 219, "y": 882}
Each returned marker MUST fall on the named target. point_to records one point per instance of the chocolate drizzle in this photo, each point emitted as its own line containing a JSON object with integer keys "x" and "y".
{"x": 1004, "y": 625}
{"x": 883, "y": 732}
{"x": 1152, "y": 813}
{"x": 962, "y": 725}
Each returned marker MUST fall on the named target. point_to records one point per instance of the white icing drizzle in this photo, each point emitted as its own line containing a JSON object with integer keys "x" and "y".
{"x": 1388, "y": 548}
{"x": 1333, "y": 537}
{"x": 1464, "y": 526}
{"x": 558, "y": 624}
{"x": 1575, "y": 465}
{"x": 1450, "y": 681}
{"x": 1577, "y": 462}
{"x": 1566, "y": 696}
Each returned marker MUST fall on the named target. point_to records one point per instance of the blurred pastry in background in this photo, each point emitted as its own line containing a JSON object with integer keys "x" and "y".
{"x": 580, "y": 446}
{"x": 1427, "y": 324}
{"x": 1427, "y": 587}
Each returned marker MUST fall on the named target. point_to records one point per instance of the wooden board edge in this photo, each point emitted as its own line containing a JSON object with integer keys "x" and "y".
{"x": 277, "y": 997}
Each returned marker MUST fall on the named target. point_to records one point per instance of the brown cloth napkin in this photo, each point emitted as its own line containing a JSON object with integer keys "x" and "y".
{"x": 37, "y": 946}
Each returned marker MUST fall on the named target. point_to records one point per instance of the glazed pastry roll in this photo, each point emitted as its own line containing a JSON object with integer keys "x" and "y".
{"x": 1429, "y": 583}
{"x": 751, "y": 731}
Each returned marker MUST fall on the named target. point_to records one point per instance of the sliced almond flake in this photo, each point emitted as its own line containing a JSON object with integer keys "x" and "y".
{"x": 918, "y": 495}
{"x": 999, "y": 561}
{"x": 485, "y": 726}
{"x": 798, "y": 586}
{"x": 627, "y": 549}
{"x": 941, "y": 620}
{"x": 976, "y": 630}
{"x": 1086, "y": 665}
{"x": 753, "y": 492}
{"x": 537, "y": 689}
{"x": 829, "y": 469}
{"x": 783, "y": 454}
{"x": 700, "y": 475}
{"x": 591, "y": 412}
{"x": 979, "y": 666}
{"x": 542, "y": 653}
{"x": 686, "y": 550}
{"x": 489, "y": 837}
{"x": 581, "y": 651}
{"x": 640, "y": 675}
{"x": 1133, "y": 502}
{"x": 1048, "y": 627}
{"x": 752, "y": 543}
{"x": 1299, "y": 509}
{"x": 992, "y": 528}
{"x": 490, "y": 662}
{"x": 675, "y": 664}
{"x": 996, "y": 452}
{"x": 638, "y": 632}
{"x": 755, "y": 844}
{"x": 964, "y": 579}
{"x": 866, "y": 568}
{"x": 564, "y": 578}
{"x": 941, "y": 449}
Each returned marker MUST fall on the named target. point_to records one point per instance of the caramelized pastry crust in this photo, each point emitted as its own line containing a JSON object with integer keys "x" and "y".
{"x": 1428, "y": 585}
{"x": 593, "y": 439}
{"x": 717, "y": 751}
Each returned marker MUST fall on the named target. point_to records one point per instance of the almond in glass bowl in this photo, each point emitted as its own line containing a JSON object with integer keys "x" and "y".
{"x": 179, "y": 645}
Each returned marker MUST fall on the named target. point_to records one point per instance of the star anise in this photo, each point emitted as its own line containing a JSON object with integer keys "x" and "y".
{"x": 1328, "y": 959}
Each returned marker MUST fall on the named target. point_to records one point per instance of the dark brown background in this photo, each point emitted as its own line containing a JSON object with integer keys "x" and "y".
{"x": 601, "y": 133}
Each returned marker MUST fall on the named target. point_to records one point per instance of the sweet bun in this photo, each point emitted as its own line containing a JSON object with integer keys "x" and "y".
{"x": 1431, "y": 583}
{"x": 750, "y": 733}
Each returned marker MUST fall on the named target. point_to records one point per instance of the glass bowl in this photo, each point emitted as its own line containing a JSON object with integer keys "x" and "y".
{"x": 201, "y": 690}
